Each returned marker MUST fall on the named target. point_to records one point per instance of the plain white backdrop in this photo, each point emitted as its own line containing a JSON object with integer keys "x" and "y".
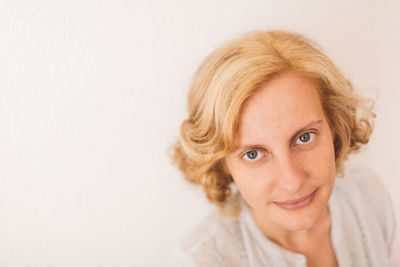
{"x": 92, "y": 94}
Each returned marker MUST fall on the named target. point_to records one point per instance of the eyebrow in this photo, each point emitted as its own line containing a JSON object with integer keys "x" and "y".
{"x": 313, "y": 123}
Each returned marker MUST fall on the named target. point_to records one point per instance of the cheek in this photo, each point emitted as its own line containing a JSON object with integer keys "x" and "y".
{"x": 254, "y": 185}
{"x": 328, "y": 154}
{"x": 322, "y": 160}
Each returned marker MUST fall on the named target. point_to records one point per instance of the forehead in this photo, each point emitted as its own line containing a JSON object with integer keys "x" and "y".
{"x": 288, "y": 101}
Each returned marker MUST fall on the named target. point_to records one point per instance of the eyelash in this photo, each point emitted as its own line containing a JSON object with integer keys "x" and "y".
{"x": 311, "y": 138}
{"x": 252, "y": 160}
{"x": 260, "y": 152}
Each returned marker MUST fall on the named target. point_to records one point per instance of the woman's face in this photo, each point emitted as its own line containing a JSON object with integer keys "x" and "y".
{"x": 284, "y": 165}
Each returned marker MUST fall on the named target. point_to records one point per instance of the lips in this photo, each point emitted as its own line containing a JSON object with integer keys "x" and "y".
{"x": 298, "y": 203}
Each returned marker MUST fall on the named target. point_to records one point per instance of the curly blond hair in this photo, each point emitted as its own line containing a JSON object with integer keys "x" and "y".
{"x": 232, "y": 73}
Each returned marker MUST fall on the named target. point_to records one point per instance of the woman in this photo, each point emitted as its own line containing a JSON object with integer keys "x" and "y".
{"x": 271, "y": 121}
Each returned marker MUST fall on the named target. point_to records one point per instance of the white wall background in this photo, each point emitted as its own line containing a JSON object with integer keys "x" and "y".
{"x": 92, "y": 94}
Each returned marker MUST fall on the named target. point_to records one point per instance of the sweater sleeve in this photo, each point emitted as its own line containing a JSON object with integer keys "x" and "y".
{"x": 379, "y": 201}
{"x": 180, "y": 258}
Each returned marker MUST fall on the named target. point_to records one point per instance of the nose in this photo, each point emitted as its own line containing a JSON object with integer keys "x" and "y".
{"x": 290, "y": 175}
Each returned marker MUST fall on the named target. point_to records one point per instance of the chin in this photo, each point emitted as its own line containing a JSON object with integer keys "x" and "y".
{"x": 303, "y": 219}
{"x": 302, "y": 223}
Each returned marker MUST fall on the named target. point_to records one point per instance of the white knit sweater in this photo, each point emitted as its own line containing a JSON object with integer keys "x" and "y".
{"x": 363, "y": 226}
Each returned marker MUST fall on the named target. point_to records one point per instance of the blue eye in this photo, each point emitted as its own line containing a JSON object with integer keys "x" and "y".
{"x": 305, "y": 138}
{"x": 252, "y": 155}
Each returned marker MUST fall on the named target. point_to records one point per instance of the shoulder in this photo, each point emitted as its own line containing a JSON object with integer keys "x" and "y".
{"x": 215, "y": 241}
{"x": 367, "y": 192}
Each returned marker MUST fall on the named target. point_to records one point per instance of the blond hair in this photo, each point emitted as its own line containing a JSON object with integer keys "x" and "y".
{"x": 232, "y": 73}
